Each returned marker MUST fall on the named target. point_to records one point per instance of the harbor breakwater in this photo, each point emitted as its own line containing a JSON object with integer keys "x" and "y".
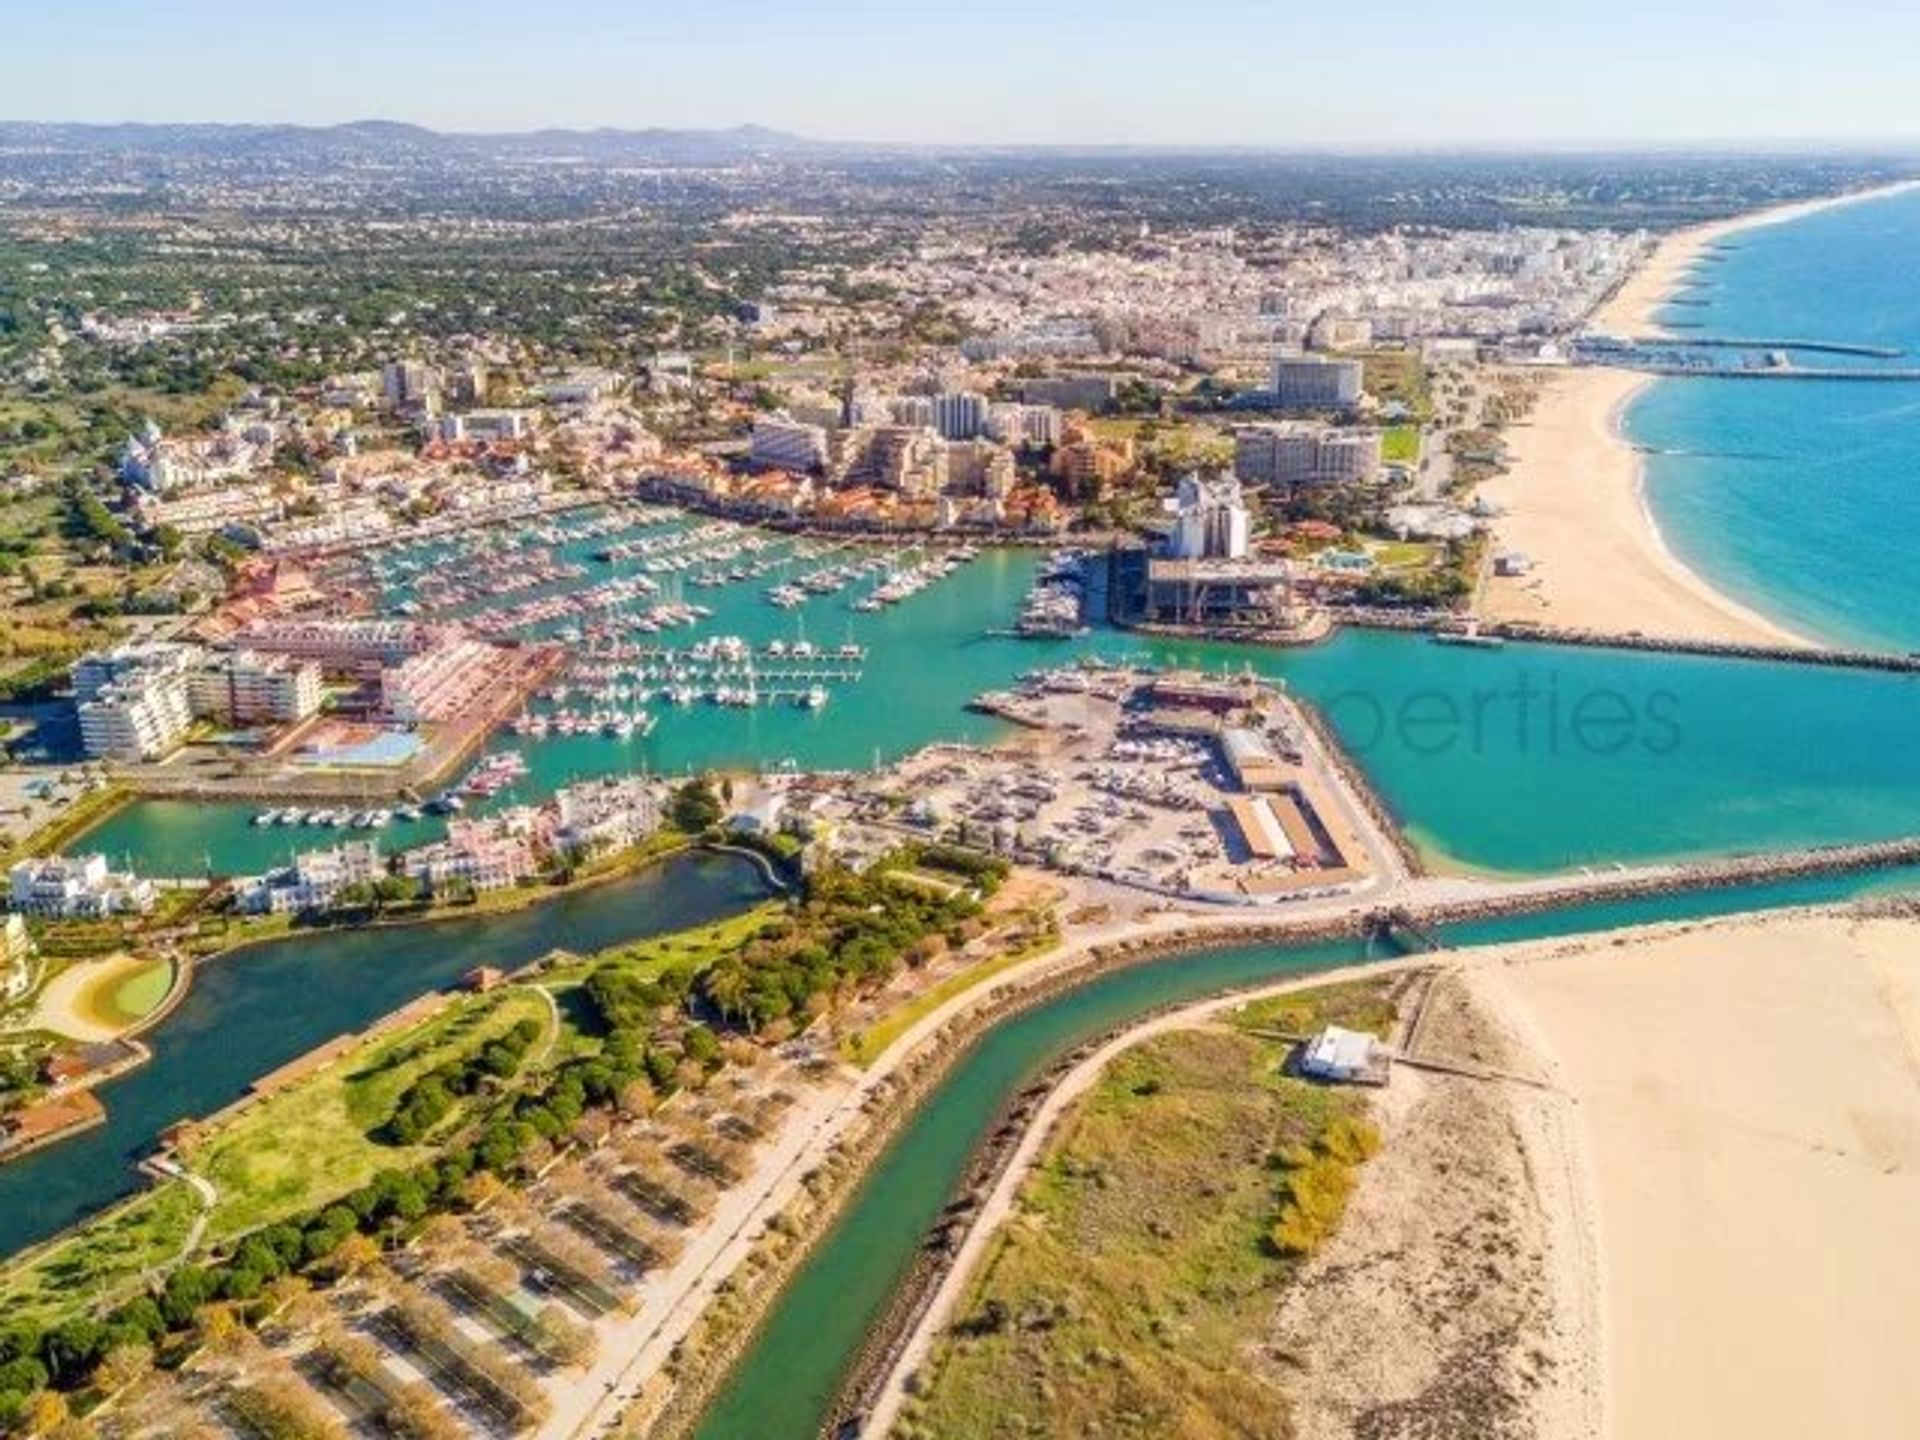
{"x": 1527, "y": 632}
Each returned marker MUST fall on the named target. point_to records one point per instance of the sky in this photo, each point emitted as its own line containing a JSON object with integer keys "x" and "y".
{"x": 1273, "y": 73}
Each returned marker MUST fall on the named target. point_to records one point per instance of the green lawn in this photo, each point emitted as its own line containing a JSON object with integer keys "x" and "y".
{"x": 103, "y": 1261}
{"x": 698, "y": 947}
{"x": 1400, "y": 445}
{"x": 315, "y": 1139}
{"x": 1403, "y": 554}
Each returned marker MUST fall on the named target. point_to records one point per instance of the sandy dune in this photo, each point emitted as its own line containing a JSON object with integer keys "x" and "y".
{"x": 1749, "y": 1098}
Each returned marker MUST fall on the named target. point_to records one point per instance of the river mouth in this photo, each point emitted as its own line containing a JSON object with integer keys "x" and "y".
{"x": 252, "y": 1011}
{"x": 790, "y": 1379}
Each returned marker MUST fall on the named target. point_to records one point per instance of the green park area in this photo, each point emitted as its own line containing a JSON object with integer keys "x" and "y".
{"x": 325, "y": 1133}
{"x": 99, "y": 1260}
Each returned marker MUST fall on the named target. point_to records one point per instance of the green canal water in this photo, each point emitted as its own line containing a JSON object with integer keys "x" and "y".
{"x": 253, "y": 1011}
{"x": 785, "y": 1385}
{"x": 1524, "y": 759}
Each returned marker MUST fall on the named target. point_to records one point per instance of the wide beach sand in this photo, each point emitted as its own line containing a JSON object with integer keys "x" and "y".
{"x": 1573, "y": 504}
{"x": 1573, "y": 494}
{"x": 1747, "y": 1097}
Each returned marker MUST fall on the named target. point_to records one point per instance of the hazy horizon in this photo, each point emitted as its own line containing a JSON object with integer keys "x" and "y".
{"x": 1599, "y": 145}
{"x": 1275, "y": 76}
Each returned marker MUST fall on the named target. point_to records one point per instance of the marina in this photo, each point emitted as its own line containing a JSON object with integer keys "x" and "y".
{"x": 921, "y": 662}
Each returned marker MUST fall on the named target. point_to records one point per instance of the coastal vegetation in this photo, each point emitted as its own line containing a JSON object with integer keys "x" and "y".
{"x": 334, "y": 1130}
{"x": 447, "y": 1112}
{"x": 1153, "y": 1240}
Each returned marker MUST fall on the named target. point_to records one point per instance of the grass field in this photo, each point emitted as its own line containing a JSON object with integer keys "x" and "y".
{"x": 1404, "y": 554}
{"x": 104, "y": 1260}
{"x": 1400, "y": 445}
{"x": 1131, "y": 1293}
{"x": 1401, "y": 375}
{"x": 698, "y": 947}
{"x": 316, "y": 1138}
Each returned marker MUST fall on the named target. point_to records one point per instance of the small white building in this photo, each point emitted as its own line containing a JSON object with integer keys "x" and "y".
{"x": 760, "y": 818}
{"x": 1345, "y": 1056}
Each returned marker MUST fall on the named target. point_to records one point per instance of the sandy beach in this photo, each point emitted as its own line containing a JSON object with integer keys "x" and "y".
{"x": 1573, "y": 504}
{"x": 1573, "y": 494}
{"x": 1662, "y": 1181}
{"x": 1746, "y": 1100}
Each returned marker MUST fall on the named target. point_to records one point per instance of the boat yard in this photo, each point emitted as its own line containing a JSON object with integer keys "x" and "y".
{"x": 1177, "y": 783}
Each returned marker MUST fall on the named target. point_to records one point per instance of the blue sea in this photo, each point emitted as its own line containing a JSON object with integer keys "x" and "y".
{"x": 1800, "y": 498}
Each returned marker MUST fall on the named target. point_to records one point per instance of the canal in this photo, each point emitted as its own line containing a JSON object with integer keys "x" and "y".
{"x": 785, "y": 1385}
{"x": 256, "y": 1009}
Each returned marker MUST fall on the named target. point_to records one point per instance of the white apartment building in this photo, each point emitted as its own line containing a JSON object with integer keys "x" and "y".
{"x": 134, "y": 701}
{"x": 75, "y": 887}
{"x": 487, "y": 425}
{"x": 485, "y": 854}
{"x": 314, "y": 880}
{"x": 1013, "y": 424}
{"x": 204, "y": 511}
{"x": 914, "y": 410}
{"x": 960, "y": 415}
{"x": 608, "y": 814}
{"x": 1312, "y": 382}
{"x": 407, "y": 383}
{"x": 245, "y": 688}
{"x": 1211, "y": 520}
{"x": 582, "y": 387}
{"x": 783, "y": 443}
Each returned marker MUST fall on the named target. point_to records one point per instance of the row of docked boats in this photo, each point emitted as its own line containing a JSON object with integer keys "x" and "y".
{"x": 612, "y": 724}
{"x": 331, "y": 819}
{"x": 908, "y": 581}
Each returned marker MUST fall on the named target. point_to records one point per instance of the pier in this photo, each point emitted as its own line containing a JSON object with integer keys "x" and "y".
{"x": 1771, "y": 372}
{"x": 1811, "y": 347}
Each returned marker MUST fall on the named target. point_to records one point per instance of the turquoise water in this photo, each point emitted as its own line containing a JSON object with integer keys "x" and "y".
{"x": 1524, "y": 759}
{"x": 1799, "y": 497}
{"x": 253, "y": 1011}
{"x": 787, "y": 1380}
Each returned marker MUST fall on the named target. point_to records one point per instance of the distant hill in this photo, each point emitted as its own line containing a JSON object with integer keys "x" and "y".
{"x": 389, "y": 139}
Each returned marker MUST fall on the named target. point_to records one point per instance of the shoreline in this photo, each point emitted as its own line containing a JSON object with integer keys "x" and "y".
{"x": 1560, "y": 1140}
{"x": 1575, "y": 499}
{"x": 941, "y": 1036}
